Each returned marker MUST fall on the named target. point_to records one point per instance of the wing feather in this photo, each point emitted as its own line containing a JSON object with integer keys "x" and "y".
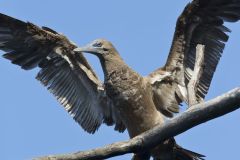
{"x": 201, "y": 22}
{"x": 207, "y": 20}
{"x": 67, "y": 76}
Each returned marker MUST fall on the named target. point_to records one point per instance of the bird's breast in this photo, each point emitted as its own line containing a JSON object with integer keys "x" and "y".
{"x": 122, "y": 83}
{"x": 133, "y": 99}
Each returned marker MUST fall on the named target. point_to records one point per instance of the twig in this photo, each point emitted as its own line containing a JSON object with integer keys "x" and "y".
{"x": 196, "y": 115}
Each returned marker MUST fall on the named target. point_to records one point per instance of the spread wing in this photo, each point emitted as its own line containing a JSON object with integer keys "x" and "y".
{"x": 202, "y": 22}
{"x": 67, "y": 76}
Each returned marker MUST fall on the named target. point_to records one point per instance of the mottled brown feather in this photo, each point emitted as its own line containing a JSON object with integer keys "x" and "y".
{"x": 67, "y": 76}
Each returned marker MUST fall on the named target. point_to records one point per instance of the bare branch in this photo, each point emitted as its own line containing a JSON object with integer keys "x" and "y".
{"x": 196, "y": 115}
{"x": 192, "y": 85}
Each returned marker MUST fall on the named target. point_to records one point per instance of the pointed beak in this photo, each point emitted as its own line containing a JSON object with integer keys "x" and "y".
{"x": 87, "y": 49}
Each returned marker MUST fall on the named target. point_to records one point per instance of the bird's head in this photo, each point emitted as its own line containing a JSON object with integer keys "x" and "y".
{"x": 99, "y": 47}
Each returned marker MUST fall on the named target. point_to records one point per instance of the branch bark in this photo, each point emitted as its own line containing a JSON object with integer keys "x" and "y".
{"x": 197, "y": 72}
{"x": 196, "y": 115}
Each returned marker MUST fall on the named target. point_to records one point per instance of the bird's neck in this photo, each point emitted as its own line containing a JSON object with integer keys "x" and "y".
{"x": 112, "y": 64}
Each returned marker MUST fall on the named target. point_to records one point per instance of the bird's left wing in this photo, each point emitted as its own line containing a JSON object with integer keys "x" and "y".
{"x": 67, "y": 75}
{"x": 202, "y": 22}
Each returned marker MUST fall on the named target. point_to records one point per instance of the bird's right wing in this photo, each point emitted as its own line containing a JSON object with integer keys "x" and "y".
{"x": 201, "y": 22}
{"x": 67, "y": 75}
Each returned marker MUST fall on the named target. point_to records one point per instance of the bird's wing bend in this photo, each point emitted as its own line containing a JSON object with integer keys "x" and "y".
{"x": 67, "y": 75}
{"x": 202, "y": 22}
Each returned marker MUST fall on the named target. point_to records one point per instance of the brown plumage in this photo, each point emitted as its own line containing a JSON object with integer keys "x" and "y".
{"x": 69, "y": 77}
{"x": 125, "y": 99}
{"x": 133, "y": 96}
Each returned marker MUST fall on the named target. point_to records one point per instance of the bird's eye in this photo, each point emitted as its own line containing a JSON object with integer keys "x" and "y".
{"x": 97, "y": 44}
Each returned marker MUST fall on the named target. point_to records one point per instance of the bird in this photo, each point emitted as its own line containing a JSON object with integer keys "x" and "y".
{"x": 125, "y": 99}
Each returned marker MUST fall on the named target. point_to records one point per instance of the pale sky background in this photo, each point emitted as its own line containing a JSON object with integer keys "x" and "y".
{"x": 34, "y": 124}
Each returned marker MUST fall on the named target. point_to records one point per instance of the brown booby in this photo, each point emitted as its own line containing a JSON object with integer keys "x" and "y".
{"x": 125, "y": 99}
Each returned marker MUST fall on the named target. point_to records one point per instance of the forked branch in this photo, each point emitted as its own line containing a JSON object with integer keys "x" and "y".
{"x": 206, "y": 111}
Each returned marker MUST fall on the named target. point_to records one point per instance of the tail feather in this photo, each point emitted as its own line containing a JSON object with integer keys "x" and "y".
{"x": 184, "y": 154}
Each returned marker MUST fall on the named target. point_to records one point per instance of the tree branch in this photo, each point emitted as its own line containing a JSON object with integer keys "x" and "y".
{"x": 197, "y": 72}
{"x": 196, "y": 115}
